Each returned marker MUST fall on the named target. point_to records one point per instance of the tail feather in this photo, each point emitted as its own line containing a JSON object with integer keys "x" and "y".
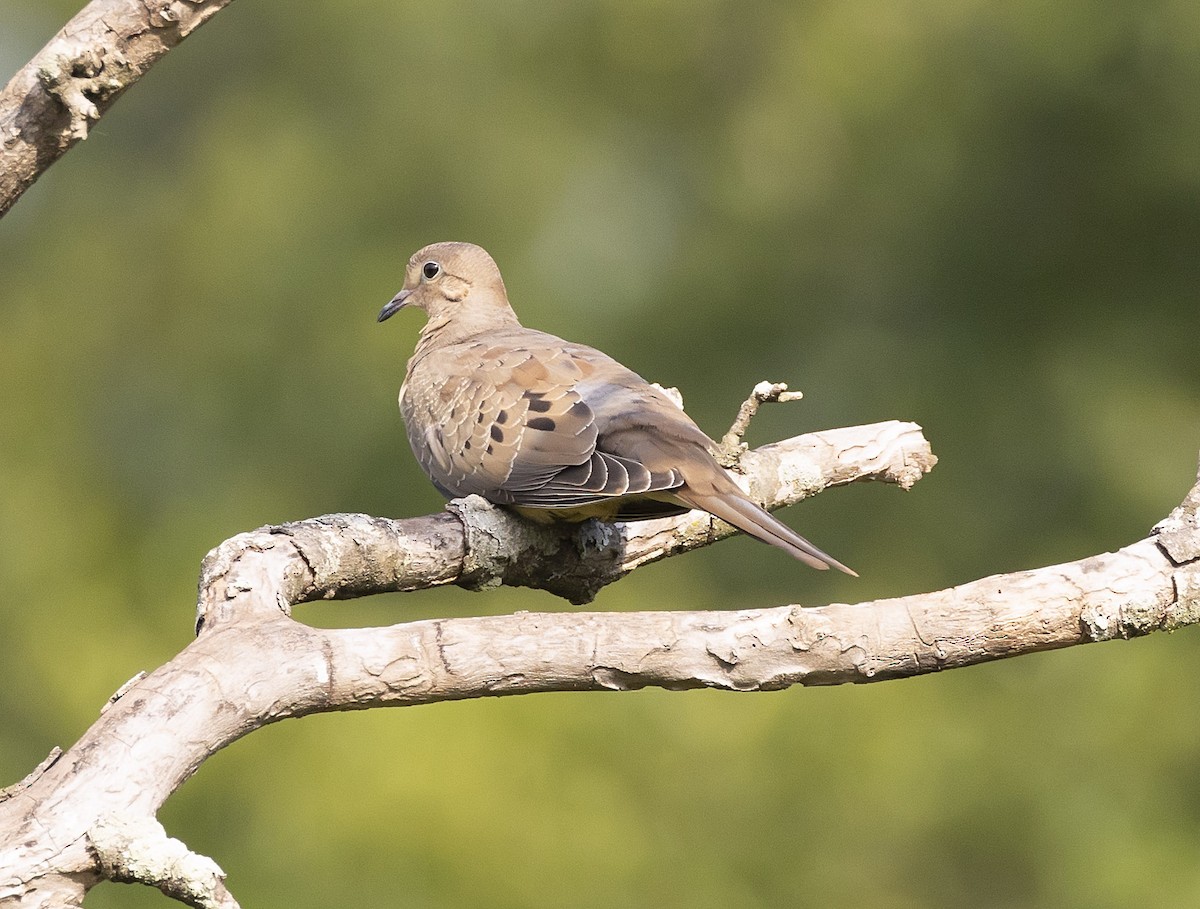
{"x": 748, "y": 517}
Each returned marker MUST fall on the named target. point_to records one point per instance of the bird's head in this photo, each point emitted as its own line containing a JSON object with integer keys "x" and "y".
{"x": 448, "y": 280}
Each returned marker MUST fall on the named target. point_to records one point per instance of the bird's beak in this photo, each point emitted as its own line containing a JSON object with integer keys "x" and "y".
{"x": 394, "y": 305}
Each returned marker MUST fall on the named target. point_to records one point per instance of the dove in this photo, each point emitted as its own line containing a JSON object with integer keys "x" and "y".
{"x": 553, "y": 430}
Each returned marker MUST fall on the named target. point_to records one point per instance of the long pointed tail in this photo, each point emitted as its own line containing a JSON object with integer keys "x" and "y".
{"x": 745, "y": 515}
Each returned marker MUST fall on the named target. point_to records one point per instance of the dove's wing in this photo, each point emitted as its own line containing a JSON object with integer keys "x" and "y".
{"x": 509, "y": 418}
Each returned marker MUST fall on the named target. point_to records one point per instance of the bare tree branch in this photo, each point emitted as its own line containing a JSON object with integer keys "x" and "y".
{"x": 52, "y": 101}
{"x": 342, "y": 556}
{"x": 252, "y": 664}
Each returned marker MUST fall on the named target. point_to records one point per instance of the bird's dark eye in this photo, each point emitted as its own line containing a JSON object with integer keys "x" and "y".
{"x": 431, "y": 270}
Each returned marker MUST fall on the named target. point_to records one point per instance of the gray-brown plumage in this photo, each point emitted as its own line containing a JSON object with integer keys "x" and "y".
{"x": 554, "y": 430}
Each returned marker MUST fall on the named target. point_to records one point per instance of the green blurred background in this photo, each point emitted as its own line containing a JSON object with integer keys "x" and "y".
{"x": 982, "y": 217}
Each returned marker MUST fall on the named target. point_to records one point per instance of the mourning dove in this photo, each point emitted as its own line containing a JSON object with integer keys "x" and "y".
{"x": 552, "y": 430}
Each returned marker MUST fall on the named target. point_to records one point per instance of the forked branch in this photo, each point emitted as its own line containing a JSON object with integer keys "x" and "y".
{"x": 253, "y": 664}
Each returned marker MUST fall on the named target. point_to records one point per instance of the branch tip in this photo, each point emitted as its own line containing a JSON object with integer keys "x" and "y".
{"x": 729, "y": 451}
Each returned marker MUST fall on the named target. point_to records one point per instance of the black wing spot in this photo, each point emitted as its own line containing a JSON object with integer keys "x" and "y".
{"x": 545, "y": 424}
{"x": 497, "y": 434}
{"x": 467, "y": 445}
{"x": 502, "y": 416}
{"x": 538, "y": 405}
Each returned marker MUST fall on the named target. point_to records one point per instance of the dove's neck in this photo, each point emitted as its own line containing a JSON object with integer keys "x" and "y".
{"x": 453, "y": 326}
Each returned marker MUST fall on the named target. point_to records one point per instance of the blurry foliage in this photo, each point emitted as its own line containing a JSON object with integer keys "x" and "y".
{"x": 984, "y": 217}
